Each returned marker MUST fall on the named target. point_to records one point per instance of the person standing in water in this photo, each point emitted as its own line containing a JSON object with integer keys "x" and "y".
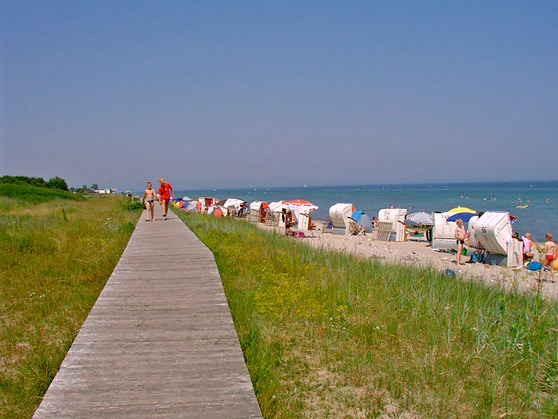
{"x": 165, "y": 190}
{"x": 149, "y": 197}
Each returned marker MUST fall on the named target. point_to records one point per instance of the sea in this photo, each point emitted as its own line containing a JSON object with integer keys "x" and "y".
{"x": 533, "y": 204}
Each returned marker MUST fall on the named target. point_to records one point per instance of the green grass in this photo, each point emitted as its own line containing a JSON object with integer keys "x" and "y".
{"x": 55, "y": 258}
{"x": 325, "y": 334}
{"x": 25, "y": 193}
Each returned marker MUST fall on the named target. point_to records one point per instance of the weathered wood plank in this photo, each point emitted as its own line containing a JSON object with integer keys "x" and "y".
{"x": 159, "y": 340}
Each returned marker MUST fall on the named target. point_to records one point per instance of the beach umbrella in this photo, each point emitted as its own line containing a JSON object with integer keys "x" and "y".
{"x": 300, "y": 205}
{"x": 465, "y": 216}
{"x": 419, "y": 219}
{"x": 462, "y": 209}
{"x": 233, "y": 202}
{"x": 221, "y": 203}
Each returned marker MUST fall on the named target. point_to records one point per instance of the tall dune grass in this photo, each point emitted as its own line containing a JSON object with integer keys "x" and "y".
{"x": 55, "y": 259}
{"x": 325, "y": 334}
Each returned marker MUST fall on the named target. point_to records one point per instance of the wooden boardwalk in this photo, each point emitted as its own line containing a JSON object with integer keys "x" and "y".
{"x": 159, "y": 340}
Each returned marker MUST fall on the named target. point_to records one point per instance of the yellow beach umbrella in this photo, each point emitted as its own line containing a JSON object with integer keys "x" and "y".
{"x": 462, "y": 209}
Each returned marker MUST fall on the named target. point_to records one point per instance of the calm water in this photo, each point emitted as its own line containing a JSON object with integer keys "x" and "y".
{"x": 540, "y": 216}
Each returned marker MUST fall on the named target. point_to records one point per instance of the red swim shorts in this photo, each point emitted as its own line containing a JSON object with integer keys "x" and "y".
{"x": 549, "y": 258}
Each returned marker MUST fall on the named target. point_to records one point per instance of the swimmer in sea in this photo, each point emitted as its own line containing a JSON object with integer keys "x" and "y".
{"x": 149, "y": 197}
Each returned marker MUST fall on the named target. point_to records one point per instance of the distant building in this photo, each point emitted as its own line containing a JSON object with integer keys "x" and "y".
{"x": 104, "y": 191}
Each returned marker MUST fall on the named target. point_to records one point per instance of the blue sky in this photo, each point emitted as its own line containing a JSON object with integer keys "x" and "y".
{"x": 250, "y": 94}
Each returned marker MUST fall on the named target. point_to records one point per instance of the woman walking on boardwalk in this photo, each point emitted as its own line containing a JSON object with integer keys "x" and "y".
{"x": 165, "y": 189}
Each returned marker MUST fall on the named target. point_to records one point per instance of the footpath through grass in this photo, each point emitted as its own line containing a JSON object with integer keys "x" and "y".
{"x": 330, "y": 335}
{"x": 55, "y": 259}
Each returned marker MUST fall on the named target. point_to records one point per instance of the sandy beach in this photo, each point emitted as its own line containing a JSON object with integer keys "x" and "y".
{"x": 416, "y": 251}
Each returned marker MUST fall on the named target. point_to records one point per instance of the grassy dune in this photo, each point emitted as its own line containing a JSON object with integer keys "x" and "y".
{"x": 326, "y": 334}
{"x": 56, "y": 256}
{"x": 25, "y": 193}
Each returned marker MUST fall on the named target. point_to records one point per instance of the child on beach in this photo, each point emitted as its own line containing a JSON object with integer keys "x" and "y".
{"x": 550, "y": 250}
{"x": 149, "y": 197}
{"x": 527, "y": 247}
{"x": 460, "y": 236}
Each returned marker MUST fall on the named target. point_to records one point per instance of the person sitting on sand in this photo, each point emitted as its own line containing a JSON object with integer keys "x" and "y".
{"x": 527, "y": 247}
{"x": 149, "y": 197}
{"x": 460, "y": 236}
{"x": 478, "y": 255}
{"x": 550, "y": 250}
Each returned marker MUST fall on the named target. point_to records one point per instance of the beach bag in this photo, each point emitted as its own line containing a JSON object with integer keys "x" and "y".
{"x": 534, "y": 266}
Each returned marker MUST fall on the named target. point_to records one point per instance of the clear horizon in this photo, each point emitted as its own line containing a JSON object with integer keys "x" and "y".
{"x": 221, "y": 94}
{"x": 525, "y": 182}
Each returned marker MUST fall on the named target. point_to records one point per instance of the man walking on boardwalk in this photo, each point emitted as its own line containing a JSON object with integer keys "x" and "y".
{"x": 165, "y": 189}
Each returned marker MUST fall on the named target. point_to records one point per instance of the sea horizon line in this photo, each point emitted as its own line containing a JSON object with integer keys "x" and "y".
{"x": 377, "y": 185}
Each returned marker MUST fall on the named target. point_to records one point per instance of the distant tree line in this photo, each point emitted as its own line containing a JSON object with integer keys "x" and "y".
{"x": 53, "y": 183}
{"x": 85, "y": 188}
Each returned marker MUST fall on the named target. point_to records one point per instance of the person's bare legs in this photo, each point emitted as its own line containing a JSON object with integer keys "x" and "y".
{"x": 147, "y": 209}
{"x": 152, "y": 210}
{"x": 165, "y": 207}
{"x": 459, "y": 250}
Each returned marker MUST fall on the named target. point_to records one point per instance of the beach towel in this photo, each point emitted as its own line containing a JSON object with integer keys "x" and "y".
{"x": 534, "y": 266}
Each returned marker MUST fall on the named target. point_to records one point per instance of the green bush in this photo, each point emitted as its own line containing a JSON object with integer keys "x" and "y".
{"x": 53, "y": 183}
{"x": 28, "y": 193}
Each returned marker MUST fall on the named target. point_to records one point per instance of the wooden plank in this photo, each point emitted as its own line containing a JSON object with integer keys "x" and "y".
{"x": 159, "y": 340}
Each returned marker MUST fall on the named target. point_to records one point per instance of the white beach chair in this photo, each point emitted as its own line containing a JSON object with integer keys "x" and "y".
{"x": 384, "y": 230}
